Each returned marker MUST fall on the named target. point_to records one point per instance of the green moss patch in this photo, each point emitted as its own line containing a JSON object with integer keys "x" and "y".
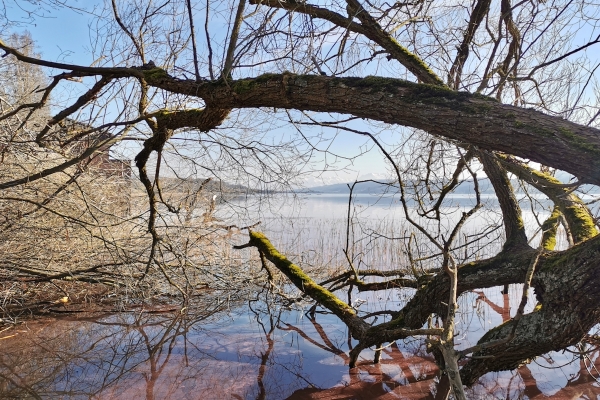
{"x": 154, "y": 74}
{"x": 299, "y": 278}
{"x": 578, "y": 141}
{"x": 549, "y": 229}
{"x": 585, "y": 228}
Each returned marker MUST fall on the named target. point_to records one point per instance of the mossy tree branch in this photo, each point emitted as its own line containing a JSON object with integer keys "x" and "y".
{"x": 369, "y": 27}
{"x": 579, "y": 219}
{"x": 307, "y": 285}
{"x": 549, "y": 229}
{"x": 566, "y": 283}
{"x": 360, "y": 330}
{"x": 477, "y": 15}
{"x": 467, "y": 118}
{"x": 511, "y": 212}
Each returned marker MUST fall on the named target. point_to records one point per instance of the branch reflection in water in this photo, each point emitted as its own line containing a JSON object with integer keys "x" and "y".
{"x": 257, "y": 350}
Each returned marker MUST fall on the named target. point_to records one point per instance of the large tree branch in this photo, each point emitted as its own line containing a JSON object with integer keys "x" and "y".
{"x": 579, "y": 219}
{"x": 511, "y": 212}
{"x": 566, "y": 284}
{"x": 465, "y": 117}
{"x": 468, "y": 118}
{"x": 307, "y": 285}
{"x": 479, "y": 12}
{"x": 505, "y": 268}
{"x": 473, "y": 119}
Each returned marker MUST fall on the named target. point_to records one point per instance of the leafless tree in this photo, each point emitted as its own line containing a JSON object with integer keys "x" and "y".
{"x": 487, "y": 88}
{"x": 80, "y": 217}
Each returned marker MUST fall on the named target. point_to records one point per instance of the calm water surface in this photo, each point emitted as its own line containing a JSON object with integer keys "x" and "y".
{"x": 259, "y": 350}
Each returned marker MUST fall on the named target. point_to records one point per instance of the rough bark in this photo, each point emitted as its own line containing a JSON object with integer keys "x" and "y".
{"x": 567, "y": 285}
{"x": 506, "y": 268}
{"x": 579, "y": 219}
{"x": 511, "y": 212}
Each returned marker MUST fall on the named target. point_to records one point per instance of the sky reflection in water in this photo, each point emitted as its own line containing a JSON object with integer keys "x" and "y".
{"x": 257, "y": 351}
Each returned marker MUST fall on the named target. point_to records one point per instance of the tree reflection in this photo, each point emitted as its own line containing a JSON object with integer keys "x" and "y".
{"x": 257, "y": 351}
{"x": 410, "y": 376}
{"x": 141, "y": 354}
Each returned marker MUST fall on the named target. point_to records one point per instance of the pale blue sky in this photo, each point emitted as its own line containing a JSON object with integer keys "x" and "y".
{"x": 64, "y": 35}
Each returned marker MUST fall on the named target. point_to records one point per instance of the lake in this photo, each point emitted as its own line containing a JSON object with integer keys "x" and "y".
{"x": 249, "y": 346}
{"x": 257, "y": 351}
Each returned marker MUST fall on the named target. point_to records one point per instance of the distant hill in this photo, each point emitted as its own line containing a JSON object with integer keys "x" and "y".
{"x": 364, "y": 187}
{"x": 193, "y": 184}
{"x": 466, "y": 187}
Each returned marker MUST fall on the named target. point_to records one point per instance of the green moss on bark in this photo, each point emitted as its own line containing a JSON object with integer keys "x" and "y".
{"x": 422, "y": 93}
{"x": 176, "y": 119}
{"x": 578, "y": 141}
{"x": 154, "y": 74}
{"x": 405, "y": 54}
{"x": 549, "y": 229}
{"x": 245, "y": 85}
{"x": 549, "y": 133}
{"x": 299, "y": 278}
{"x": 585, "y": 228}
{"x": 564, "y": 134}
